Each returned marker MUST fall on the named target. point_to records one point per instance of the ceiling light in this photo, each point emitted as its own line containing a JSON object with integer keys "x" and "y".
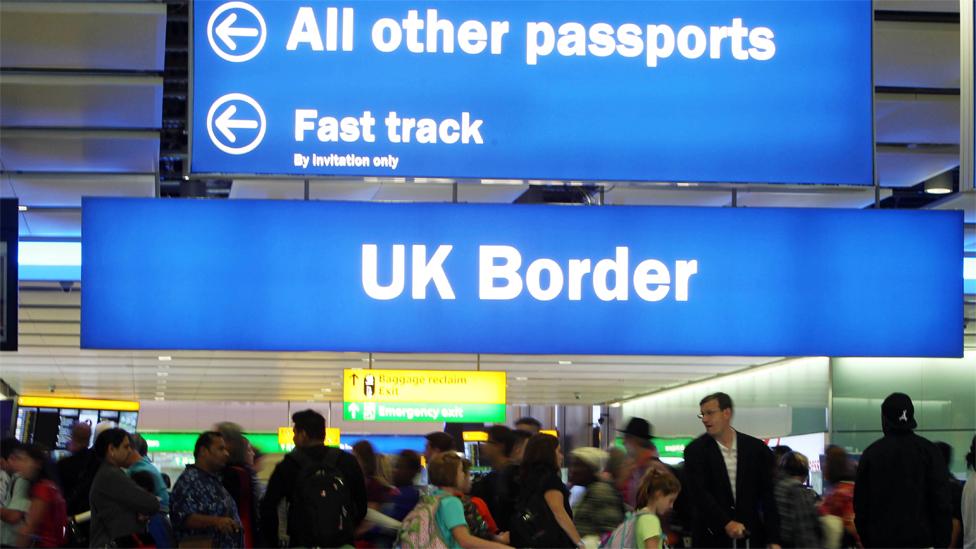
{"x": 186, "y": 178}
{"x": 615, "y": 405}
{"x": 21, "y": 208}
{"x": 165, "y": 358}
{"x": 565, "y": 362}
{"x": 159, "y": 398}
{"x": 326, "y": 390}
{"x": 940, "y": 184}
{"x": 162, "y": 374}
{"x": 521, "y": 379}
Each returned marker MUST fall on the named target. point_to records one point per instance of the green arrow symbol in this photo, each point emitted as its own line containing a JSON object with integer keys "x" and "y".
{"x": 353, "y": 409}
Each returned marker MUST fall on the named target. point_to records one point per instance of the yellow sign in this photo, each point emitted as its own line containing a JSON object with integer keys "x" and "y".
{"x": 286, "y": 436}
{"x": 424, "y": 386}
{"x": 474, "y": 436}
{"x": 78, "y": 403}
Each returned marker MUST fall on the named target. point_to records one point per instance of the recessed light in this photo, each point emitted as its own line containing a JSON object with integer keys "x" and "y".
{"x": 165, "y": 358}
{"x": 326, "y": 390}
{"x": 521, "y": 379}
{"x": 21, "y": 208}
{"x": 159, "y": 398}
{"x": 162, "y": 374}
{"x": 565, "y": 362}
{"x": 615, "y": 405}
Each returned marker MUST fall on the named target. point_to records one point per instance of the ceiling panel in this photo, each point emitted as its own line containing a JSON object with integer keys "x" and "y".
{"x": 81, "y": 101}
{"x": 79, "y": 151}
{"x": 83, "y": 35}
{"x": 916, "y": 55}
{"x": 50, "y": 224}
{"x": 911, "y": 118}
{"x": 634, "y": 195}
{"x": 66, "y": 190}
{"x": 858, "y": 198}
{"x": 906, "y": 167}
{"x": 946, "y": 6}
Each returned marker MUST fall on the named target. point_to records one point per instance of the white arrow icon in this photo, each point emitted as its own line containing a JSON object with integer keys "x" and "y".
{"x": 222, "y": 35}
{"x": 226, "y": 31}
{"x": 221, "y": 127}
{"x": 225, "y": 123}
{"x": 353, "y": 409}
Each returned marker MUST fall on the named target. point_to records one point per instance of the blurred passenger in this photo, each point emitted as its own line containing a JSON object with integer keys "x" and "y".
{"x": 480, "y": 521}
{"x": 240, "y": 479}
{"x": 521, "y": 439}
{"x": 799, "y": 521}
{"x": 15, "y": 498}
{"x": 47, "y": 516}
{"x": 730, "y": 481}
{"x": 838, "y": 500}
{"x": 499, "y": 488}
{"x": 407, "y": 494}
{"x": 955, "y": 495}
{"x": 655, "y": 498}
{"x": 643, "y": 455}
{"x": 378, "y": 492}
{"x": 446, "y": 474}
{"x": 75, "y": 474}
{"x": 201, "y": 509}
{"x": 437, "y": 442}
{"x": 528, "y": 424}
{"x": 901, "y": 494}
{"x": 141, "y": 464}
{"x": 542, "y": 515}
{"x": 158, "y": 526}
{"x": 601, "y": 508}
{"x": 618, "y": 469}
{"x": 301, "y": 477}
{"x": 116, "y": 500}
{"x": 969, "y": 500}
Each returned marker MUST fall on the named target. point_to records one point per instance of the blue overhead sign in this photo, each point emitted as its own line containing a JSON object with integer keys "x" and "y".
{"x": 452, "y": 278}
{"x": 695, "y": 91}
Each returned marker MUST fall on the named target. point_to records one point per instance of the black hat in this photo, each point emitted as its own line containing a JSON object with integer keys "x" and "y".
{"x": 639, "y": 428}
{"x": 898, "y": 411}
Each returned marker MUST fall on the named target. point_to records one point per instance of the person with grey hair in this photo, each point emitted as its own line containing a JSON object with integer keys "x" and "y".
{"x": 142, "y": 464}
{"x": 241, "y": 480}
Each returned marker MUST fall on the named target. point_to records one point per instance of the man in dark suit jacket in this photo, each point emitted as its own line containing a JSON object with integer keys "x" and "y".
{"x": 730, "y": 482}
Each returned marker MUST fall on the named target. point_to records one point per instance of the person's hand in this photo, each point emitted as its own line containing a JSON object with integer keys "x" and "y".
{"x": 735, "y": 530}
{"x": 503, "y": 537}
{"x": 226, "y": 525}
{"x": 774, "y": 546}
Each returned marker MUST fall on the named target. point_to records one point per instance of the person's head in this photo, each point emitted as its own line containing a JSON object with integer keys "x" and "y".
{"x": 500, "y": 445}
{"x": 81, "y": 433}
{"x": 795, "y": 465}
{"x": 104, "y": 426}
{"x": 898, "y": 414}
{"x": 210, "y": 451}
{"x": 167, "y": 482}
{"x": 465, "y": 480}
{"x": 366, "y": 456}
{"x": 237, "y": 444}
{"x": 134, "y": 456}
{"x": 112, "y": 446}
{"x": 407, "y": 468}
{"x": 716, "y": 413}
{"x": 7, "y": 447}
{"x": 444, "y": 470}
{"x": 144, "y": 480}
{"x": 946, "y": 450}
{"x": 541, "y": 452}
{"x": 637, "y": 439}
{"x": 837, "y": 465}
{"x": 33, "y": 463}
{"x": 658, "y": 490}
{"x": 309, "y": 427}
{"x": 585, "y": 464}
{"x": 971, "y": 456}
{"x": 438, "y": 442}
{"x": 139, "y": 444}
{"x": 528, "y": 424}
{"x": 619, "y": 466}
{"x": 521, "y": 439}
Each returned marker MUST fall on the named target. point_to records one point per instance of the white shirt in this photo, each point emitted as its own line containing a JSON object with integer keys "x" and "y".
{"x": 969, "y": 512}
{"x": 731, "y": 458}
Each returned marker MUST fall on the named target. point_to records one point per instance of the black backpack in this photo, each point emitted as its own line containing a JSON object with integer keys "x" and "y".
{"x": 533, "y": 524}
{"x": 321, "y": 502}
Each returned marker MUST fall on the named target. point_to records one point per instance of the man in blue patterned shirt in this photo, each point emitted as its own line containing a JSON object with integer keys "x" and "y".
{"x": 200, "y": 506}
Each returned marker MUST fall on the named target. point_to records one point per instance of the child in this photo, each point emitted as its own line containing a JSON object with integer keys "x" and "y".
{"x": 656, "y": 495}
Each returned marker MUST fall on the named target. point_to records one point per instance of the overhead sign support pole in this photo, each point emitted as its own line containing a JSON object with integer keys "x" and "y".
{"x": 967, "y": 12}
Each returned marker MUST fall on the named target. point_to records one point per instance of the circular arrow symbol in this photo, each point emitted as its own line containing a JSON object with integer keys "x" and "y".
{"x": 226, "y": 122}
{"x": 223, "y": 34}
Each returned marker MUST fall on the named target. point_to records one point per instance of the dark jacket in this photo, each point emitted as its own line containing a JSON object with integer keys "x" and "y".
{"x": 116, "y": 503}
{"x": 282, "y": 485}
{"x": 500, "y": 491}
{"x": 901, "y": 495}
{"x": 75, "y": 473}
{"x": 711, "y": 493}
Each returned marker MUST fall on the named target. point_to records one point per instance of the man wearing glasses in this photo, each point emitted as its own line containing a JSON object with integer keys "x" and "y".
{"x": 730, "y": 481}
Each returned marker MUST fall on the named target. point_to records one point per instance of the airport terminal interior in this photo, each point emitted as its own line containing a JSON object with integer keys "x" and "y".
{"x": 593, "y": 222}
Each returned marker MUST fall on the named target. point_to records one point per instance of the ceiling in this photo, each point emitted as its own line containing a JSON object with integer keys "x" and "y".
{"x": 90, "y": 101}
